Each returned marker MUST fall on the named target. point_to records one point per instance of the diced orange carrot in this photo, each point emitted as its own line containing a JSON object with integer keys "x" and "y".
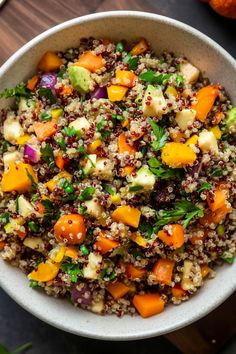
{"x": 38, "y": 106}
{"x": 40, "y": 208}
{"x": 125, "y": 78}
{"x": 215, "y": 217}
{"x": 218, "y": 118}
{"x": 117, "y": 289}
{"x": 217, "y": 200}
{"x": 70, "y": 229}
{"x": 32, "y": 82}
{"x": 127, "y": 215}
{"x": 45, "y": 130}
{"x": 2, "y": 245}
{"x": 104, "y": 244}
{"x": 71, "y": 252}
{"x": 127, "y": 170}
{"x": 176, "y": 237}
{"x": 17, "y": 178}
{"x": 49, "y": 62}
{"x": 45, "y": 272}
{"x": 116, "y": 92}
{"x": 21, "y": 234}
{"x": 140, "y": 47}
{"x": 163, "y": 270}
{"x": 123, "y": 146}
{"x": 205, "y": 98}
{"x": 178, "y": 292}
{"x": 177, "y": 137}
{"x": 90, "y": 61}
{"x": 60, "y": 162}
{"x": 148, "y": 304}
{"x": 133, "y": 272}
{"x": 205, "y": 270}
{"x": 66, "y": 90}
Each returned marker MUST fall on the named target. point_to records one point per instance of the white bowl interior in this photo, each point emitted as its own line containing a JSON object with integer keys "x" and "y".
{"x": 163, "y": 34}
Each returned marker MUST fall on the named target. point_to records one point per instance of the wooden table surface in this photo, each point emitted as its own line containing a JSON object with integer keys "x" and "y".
{"x": 21, "y": 20}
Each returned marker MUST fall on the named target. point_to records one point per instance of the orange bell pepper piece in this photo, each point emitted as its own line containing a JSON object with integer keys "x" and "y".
{"x": 45, "y": 272}
{"x": 60, "y": 162}
{"x": 123, "y": 146}
{"x": 116, "y": 92}
{"x": 49, "y": 62}
{"x": 205, "y": 100}
{"x": 90, "y": 61}
{"x": 125, "y": 78}
{"x": 32, "y": 82}
{"x": 127, "y": 215}
{"x": 117, "y": 289}
{"x": 17, "y": 178}
{"x": 148, "y": 304}
{"x": 133, "y": 272}
{"x": 140, "y": 47}
{"x": 163, "y": 270}
{"x": 45, "y": 130}
{"x": 176, "y": 237}
{"x": 104, "y": 244}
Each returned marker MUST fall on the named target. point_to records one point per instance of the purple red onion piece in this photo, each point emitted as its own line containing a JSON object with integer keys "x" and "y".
{"x": 99, "y": 92}
{"x": 31, "y": 153}
{"x": 81, "y": 294}
{"x": 48, "y": 80}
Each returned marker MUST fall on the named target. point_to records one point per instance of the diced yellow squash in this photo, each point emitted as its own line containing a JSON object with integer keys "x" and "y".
{"x": 116, "y": 199}
{"x": 178, "y": 155}
{"x": 171, "y": 91}
{"x": 18, "y": 178}
{"x": 57, "y": 254}
{"x": 192, "y": 140}
{"x": 116, "y": 92}
{"x": 56, "y": 113}
{"x": 139, "y": 240}
{"x": 45, "y": 272}
{"x": 216, "y": 131}
{"x": 71, "y": 252}
{"x": 23, "y": 139}
{"x": 127, "y": 215}
{"x": 93, "y": 146}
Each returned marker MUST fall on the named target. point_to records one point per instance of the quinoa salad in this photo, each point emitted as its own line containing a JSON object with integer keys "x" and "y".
{"x": 117, "y": 177}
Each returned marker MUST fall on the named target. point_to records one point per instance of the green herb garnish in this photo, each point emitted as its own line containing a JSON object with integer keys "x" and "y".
{"x": 34, "y": 184}
{"x": 33, "y": 226}
{"x": 179, "y": 80}
{"x": 19, "y": 91}
{"x": 4, "y": 218}
{"x": 61, "y": 73}
{"x": 160, "y": 134}
{"x": 204, "y": 186}
{"x": 218, "y": 172}
{"x": 87, "y": 193}
{"x": 109, "y": 189}
{"x": 84, "y": 250}
{"x": 227, "y": 257}
{"x": 47, "y": 155}
{"x": 107, "y": 274}
{"x": 73, "y": 270}
{"x": 47, "y": 93}
{"x": 62, "y": 144}
{"x": 146, "y": 229}
{"x": 33, "y": 284}
{"x": 35, "y": 198}
{"x": 119, "y": 47}
{"x": 135, "y": 188}
{"x": 45, "y": 116}
{"x": 5, "y": 146}
{"x": 70, "y": 131}
{"x": 184, "y": 210}
{"x": 151, "y": 77}
{"x": 163, "y": 172}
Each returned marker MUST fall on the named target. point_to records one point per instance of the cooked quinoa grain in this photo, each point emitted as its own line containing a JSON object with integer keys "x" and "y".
{"x": 118, "y": 178}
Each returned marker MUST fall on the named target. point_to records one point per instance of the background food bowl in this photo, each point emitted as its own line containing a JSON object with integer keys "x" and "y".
{"x": 163, "y": 34}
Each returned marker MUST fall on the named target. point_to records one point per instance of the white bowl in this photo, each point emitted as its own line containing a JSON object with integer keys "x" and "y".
{"x": 163, "y": 33}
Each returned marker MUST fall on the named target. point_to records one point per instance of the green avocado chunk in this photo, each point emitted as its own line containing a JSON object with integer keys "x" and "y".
{"x": 80, "y": 78}
{"x": 231, "y": 121}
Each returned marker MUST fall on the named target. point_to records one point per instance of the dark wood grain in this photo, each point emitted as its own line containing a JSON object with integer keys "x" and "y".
{"x": 21, "y": 20}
